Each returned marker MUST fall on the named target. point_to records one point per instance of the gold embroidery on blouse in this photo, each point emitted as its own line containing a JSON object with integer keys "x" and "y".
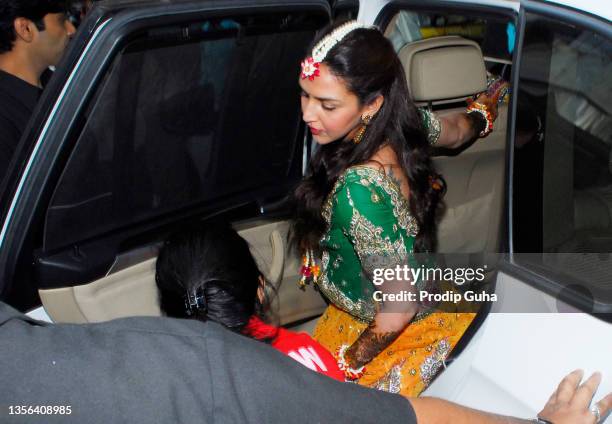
{"x": 374, "y": 250}
{"x": 401, "y": 208}
{"x": 362, "y": 309}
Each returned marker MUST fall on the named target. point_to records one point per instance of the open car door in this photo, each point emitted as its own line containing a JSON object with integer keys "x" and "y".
{"x": 536, "y": 196}
{"x": 161, "y": 114}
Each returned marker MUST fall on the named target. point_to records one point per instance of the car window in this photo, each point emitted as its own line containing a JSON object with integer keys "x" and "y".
{"x": 344, "y": 10}
{"x": 562, "y": 192}
{"x": 495, "y": 36}
{"x": 186, "y": 115}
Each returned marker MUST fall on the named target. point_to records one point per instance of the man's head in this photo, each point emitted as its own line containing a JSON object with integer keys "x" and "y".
{"x": 40, "y": 26}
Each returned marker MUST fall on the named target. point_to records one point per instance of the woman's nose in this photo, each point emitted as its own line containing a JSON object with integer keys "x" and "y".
{"x": 307, "y": 111}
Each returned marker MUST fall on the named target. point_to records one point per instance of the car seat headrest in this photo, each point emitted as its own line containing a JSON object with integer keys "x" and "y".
{"x": 443, "y": 69}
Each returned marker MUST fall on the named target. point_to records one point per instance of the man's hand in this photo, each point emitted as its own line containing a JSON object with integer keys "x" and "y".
{"x": 569, "y": 404}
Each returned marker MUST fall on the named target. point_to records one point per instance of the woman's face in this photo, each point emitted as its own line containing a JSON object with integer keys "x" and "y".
{"x": 328, "y": 108}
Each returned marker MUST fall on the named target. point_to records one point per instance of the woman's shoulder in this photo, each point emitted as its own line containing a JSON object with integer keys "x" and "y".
{"x": 358, "y": 179}
{"x": 372, "y": 176}
{"x": 379, "y": 168}
{"x": 363, "y": 173}
{"x": 370, "y": 189}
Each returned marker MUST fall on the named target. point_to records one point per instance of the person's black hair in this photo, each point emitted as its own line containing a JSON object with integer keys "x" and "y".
{"x": 369, "y": 66}
{"x": 213, "y": 264}
{"x": 34, "y": 10}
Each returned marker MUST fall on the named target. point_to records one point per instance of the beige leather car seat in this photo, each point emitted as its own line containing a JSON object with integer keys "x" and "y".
{"x": 442, "y": 71}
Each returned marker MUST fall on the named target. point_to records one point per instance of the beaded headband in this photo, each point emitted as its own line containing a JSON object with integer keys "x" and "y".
{"x": 310, "y": 66}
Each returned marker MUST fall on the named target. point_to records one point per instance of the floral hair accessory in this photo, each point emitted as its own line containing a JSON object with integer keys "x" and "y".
{"x": 310, "y": 270}
{"x": 310, "y": 69}
{"x": 310, "y": 66}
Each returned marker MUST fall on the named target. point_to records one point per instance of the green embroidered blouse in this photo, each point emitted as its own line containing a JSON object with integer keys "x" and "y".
{"x": 369, "y": 227}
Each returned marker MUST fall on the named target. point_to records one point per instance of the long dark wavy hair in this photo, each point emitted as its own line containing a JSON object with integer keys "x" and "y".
{"x": 367, "y": 63}
{"x": 214, "y": 262}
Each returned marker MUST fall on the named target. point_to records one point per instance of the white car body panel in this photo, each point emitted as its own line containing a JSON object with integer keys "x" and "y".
{"x": 602, "y": 8}
{"x": 516, "y": 359}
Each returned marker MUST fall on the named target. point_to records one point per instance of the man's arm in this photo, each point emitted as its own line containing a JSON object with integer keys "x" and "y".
{"x": 437, "y": 411}
{"x": 569, "y": 404}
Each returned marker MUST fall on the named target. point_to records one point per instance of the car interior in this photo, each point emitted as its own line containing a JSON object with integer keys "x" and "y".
{"x": 442, "y": 72}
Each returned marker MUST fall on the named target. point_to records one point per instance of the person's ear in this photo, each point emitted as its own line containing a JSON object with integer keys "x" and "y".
{"x": 373, "y": 107}
{"x": 25, "y": 29}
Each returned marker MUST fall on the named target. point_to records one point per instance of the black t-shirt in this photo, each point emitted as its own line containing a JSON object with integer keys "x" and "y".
{"x": 17, "y": 101}
{"x": 162, "y": 370}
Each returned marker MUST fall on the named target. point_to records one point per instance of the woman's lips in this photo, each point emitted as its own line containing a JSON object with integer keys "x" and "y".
{"x": 314, "y": 131}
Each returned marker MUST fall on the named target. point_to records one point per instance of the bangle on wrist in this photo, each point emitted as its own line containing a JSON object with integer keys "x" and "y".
{"x": 479, "y": 123}
{"x": 483, "y": 111}
{"x": 539, "y": 420}
{"x": 349, "y": 373}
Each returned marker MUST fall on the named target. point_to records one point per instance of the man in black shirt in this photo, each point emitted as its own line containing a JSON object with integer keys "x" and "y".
{"x": 33, "y": 36}
{"x": 161, "y": 370}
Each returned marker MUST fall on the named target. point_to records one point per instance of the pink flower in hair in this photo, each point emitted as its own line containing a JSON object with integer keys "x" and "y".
{"x": 310, "y": 69}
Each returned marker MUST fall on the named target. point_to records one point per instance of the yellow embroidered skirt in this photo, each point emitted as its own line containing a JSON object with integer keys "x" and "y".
{"x": 408, "y": 364}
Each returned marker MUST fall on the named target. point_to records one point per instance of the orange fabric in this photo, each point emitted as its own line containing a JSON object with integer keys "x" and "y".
{"x": 407, "y": 365}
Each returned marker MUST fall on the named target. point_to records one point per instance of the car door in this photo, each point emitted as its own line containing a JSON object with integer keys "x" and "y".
{"x": 161, "y": 114}
{"x": 554, "y": 288}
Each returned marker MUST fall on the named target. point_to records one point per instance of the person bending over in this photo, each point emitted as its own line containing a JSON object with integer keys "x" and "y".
{"x": 208, "y": 273}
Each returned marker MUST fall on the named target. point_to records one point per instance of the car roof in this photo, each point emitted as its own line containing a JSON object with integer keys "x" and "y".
{"x": 601, "y": 8}
{"x": 118, "y": 4}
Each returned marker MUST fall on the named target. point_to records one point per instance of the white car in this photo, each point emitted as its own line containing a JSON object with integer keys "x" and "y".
{"x": 167, "y": 112}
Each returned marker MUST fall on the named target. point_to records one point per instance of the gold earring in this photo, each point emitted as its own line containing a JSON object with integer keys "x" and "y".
{"x": 365, "y": 121}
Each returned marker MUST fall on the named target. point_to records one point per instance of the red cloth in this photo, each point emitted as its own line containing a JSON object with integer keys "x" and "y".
{"x": 299, "y": 346}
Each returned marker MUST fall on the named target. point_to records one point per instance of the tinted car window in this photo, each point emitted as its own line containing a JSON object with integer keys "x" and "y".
{"x": 186, "y": 115}
{"x": 563, "y": 155}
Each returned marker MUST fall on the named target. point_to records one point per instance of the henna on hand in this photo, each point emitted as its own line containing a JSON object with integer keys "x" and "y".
{"x": 369, "y": 344}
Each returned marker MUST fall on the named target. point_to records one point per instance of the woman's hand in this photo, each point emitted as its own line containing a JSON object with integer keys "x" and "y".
{"x": 569, "y": 404}
{"x": 381, "y": 332}
{"x": 458, "y": 129}
{"x": 490, "y": 98}
{"x": 490, "y": 102}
